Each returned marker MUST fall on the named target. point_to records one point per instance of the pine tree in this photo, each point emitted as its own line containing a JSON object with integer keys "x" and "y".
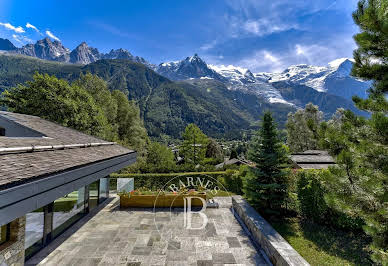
{"x": 233, "y": 154}
{"x": 265, "y": 185}
{"x": 302, "y": 128}
{"x": 372, "y": 54}
{"x": 359, "y": 184}
{"x": 194, "y": 145}
{"x": 214, "y": 150}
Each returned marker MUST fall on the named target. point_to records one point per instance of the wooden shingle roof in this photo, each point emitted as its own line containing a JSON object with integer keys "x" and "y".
{"x": 24, "y": 159}
{"x": 312, "y": 159}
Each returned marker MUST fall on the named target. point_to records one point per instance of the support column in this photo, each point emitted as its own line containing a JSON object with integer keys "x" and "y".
{"x": 104, "y": 188}
{"x": 86, "y": 199}
{"x": 48, "y": 223}
{"x": 107, "y": 186}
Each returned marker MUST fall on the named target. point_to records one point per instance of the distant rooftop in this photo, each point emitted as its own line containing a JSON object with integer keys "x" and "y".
{"x": 32, "y": 148}
{"x": 233, "y": 161}
{"x": 312, "y": 159}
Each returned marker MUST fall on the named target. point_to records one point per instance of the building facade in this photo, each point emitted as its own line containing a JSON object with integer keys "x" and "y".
{"x": 50, "y": 177}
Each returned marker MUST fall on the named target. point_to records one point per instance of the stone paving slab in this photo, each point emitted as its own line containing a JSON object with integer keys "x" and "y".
{"x": 116, "y": 236}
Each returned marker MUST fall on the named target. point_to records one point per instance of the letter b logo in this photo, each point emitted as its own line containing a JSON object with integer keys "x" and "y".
{"x": 188, "y": 213}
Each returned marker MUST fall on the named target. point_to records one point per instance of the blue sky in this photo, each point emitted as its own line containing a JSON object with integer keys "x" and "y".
{"x": 261, "y": 35}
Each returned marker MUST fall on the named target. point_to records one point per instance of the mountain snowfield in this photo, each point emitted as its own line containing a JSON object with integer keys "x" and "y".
{"x": 242, "y": 79}
{"x": 333, "y": 79}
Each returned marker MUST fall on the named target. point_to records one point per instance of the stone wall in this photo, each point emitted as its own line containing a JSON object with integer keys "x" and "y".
{"x": 278, "y": 250}
{"x": 12, "y": 252}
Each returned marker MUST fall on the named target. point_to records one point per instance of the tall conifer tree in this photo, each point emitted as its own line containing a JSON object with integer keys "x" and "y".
{"x": 265, "y": 184}
{"x": 359, "y": 184}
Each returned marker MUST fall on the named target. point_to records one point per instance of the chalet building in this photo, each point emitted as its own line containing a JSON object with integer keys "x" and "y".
{"x": 312, "y": 159}
{"x": 234, "y": 161}
{"x": 50, "y": 176}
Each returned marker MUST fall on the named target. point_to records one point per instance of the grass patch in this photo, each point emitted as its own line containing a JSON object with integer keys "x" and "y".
{"x": 323, "y": 245}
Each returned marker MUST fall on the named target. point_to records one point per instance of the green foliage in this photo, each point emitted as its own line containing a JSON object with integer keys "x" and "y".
{"x": 233, "y": 179}
{"x": 156, "y": 181}
{"x": 214, "y": 151}
{"x": 372, "y": 54}
{"x": 233, "y": 154}
{"x": 311, "y": 193}
{"x": 324, "y": 245}
{"x": 159, "y": 159}
{"x": 358, "y": 184}
{"x": 85, "y": 105}
{"x": 311, "y": 196}
{"x": 98, "y": 89}
{"x": 55, "y": 100}
{"x": 265, "y": 185}
{"x": 18, "y": 69}
{"x": 166, "y": 107}
{"x": 303, "y": 128}
{"x": 130, "y": 128}
{"x": 194, "y": 145}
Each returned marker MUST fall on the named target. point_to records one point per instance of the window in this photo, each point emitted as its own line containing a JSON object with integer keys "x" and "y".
{"x": 2, "y": 131}
{"x": 4, "y": 233}
{"x": 94, "y": 191}
{"x": 104, "y": 189}
{"x": 33, "y": 240}
{"x": 68, "y": 210}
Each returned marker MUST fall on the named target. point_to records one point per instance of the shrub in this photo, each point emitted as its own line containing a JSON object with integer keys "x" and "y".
{"x": 158, "y": 181}
{"x": 311, "y": 196}
{"x": 232, "y": 180}
{"x": 292, "y": 203}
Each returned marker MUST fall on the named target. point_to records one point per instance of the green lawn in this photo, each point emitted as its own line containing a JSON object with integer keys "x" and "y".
{"x": 322, "y": 245}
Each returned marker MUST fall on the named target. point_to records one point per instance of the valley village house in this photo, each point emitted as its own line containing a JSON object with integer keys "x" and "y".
{"x": 50, "y": 177}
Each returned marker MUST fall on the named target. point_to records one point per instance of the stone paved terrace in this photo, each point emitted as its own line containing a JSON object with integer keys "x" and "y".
{"x": 113, "y": 236}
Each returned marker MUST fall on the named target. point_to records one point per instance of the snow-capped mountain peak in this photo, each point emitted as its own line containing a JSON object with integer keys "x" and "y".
{"x": 338, "y": 62}
{"x": 334, "y": 78}
{"x": 195, "y": 58}
{"x": 192, "y": 67}
{"x": 234, "y": 74}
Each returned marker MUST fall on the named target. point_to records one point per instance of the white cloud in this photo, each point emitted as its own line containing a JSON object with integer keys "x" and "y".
{"x": 270, "y": 57}
{"x": 228, "y": 67}
{"x": 208, "y": 46}
{"x": 16, "y": 38}
{"x": 11, "y": 27}
{"x": 21, "y": 39}
{"x": 30, "y": 26}
{"x": 314, "y": 54}
{"x": 264, "y": 26}
{"x": 263, "y": 60}
{"x": 49, "y": 33}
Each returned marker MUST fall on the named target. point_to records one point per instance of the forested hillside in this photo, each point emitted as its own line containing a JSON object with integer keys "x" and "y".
{"x": 166, "y": 106}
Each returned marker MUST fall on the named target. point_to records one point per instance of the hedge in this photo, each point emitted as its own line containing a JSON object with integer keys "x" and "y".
{"x": 154, "y": 181}
{"x": 311, "y": 196}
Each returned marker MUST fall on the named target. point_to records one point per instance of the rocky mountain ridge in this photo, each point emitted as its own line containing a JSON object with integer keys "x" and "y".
{"x": 6, "y": 45}
{"x": 55, "y": 51}
{"x": 291, "y": 88}
{"x": 334, "y": 79}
